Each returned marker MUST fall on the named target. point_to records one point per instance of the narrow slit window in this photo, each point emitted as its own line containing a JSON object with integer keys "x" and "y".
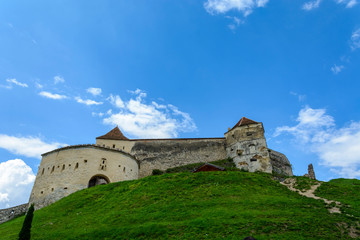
{"x": 42, "y": 173}
{"x": 113, "y": 145}
{"x": 53, "y": 168}
{"x": 77, "y": 165}
{"x": 63, "y": 167}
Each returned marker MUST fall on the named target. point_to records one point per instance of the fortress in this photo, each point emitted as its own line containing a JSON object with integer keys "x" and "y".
{"x": 116, "y": 158}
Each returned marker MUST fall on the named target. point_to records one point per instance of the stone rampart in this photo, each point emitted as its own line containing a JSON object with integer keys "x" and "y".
{"x": 168, "y": 153}
{"x": 10, "y": 213}
{"x": 280, "y": 163}
{"x": 70, "y": 169}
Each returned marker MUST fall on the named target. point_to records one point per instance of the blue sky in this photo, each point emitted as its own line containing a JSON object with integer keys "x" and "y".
{"x": 72, "y": 70}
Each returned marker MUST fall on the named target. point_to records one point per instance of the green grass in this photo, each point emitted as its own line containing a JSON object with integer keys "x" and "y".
{"x": 304, "y": 183}
{"x": 204, "y": 205}
{"x": 346, "y": 191}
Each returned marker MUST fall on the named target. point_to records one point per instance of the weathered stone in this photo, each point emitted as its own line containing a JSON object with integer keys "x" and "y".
{"x": 311, "y": 172}
{"x": 10, "y": 213}
{"x": 280, "y": 163}
{"x": 70, "y": 169}
{"x": 116, "y": 158}
{"x": 246, "y": 145}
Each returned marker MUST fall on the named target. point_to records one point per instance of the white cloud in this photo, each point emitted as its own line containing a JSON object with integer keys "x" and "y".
{"x": 244, "y": 6}
{"x": 301, "y": 97}
{"x": 348, "y": 3}
{"x": 12, "y": 81}
{"x": 337, "y": 69}
{"x": 95, "y": 114}
{"x": 27, "y": 146}
{"x": 38, "y": 85}
{"x": 116, "y": 101}
{"x": 143, "y": 120}
{"x": 58, "y": 79}
{"x": 355, "y": 39}
{"x": 16, "y": 181}
{"x": 94, "y": 91}
{"x": 52, "y": 95}
{"x": 309, "y": 121}
{"x": 337, "y": 148}
{"x": 87, "y": 101}
{"x": 311, "y": 5}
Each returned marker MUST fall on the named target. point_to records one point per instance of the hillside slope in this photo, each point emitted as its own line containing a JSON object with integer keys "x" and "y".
{"x": 206, "y": 205}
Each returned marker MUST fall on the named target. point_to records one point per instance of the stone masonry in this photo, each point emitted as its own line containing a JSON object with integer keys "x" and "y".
{"x": 10, "y": 213}
{"x": 116, "y": 158}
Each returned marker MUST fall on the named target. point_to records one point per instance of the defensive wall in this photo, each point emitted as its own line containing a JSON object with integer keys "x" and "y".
{"x": 70, "y": 169}
{"x": 10, "y": 213}
{"x": 116, "y": 158}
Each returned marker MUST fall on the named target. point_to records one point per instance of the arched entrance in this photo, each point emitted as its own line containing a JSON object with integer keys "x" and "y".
{"x": 98, "y": 180}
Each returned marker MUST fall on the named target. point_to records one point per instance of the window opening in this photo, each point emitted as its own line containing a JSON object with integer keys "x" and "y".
{"x": 103, "y": 164}
{"x": 77, "y": 165}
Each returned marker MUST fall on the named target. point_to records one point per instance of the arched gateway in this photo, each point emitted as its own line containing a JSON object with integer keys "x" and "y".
{"x": 98, "y": 180}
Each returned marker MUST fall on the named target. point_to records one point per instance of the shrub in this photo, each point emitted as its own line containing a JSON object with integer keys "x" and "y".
{"x": 26, "y": 228}
{"x": 157, "y": 172}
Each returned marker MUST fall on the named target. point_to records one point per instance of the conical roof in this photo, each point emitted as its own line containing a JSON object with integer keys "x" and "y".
{"x": 244, "y": 121}
{"x": 114, "y": 134}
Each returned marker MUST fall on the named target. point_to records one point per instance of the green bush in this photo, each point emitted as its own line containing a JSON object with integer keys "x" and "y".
{"x": 157, "y": 172}
{"x": 25, "y": 231}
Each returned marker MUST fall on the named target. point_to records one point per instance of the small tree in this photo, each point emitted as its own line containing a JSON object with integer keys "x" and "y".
{"x": 26, "y": 228}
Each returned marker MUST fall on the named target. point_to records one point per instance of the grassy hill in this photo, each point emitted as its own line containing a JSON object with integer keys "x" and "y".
{"x": 206, "y": 205}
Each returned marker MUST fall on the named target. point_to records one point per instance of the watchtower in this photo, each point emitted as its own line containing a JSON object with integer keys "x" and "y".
{"x": 246, "y": 145}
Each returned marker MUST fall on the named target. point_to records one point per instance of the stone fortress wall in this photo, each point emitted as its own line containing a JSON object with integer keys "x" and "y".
{"x": 10, "y": 213}
{"x": 69, "y": 169}
{"x": 167, "y": 153}
{"x": 116, "y": 158}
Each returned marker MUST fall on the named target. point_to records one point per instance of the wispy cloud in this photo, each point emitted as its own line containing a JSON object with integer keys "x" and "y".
{"x": 38, "y": 85}
{"x": 94, "y": 91}
{"x": 337, "y": 68}
{"x": 149, "y": 120}
{"x": 337, "y": 148}
{"x": 87, "y": 101}
{"x": 58, "y": 79}
{"x": 54, "y": 96}
{"x": 311, "y": 5}
{"x": 355, "y": 39}
{"x": 11, "y": 82}
{"x": 116, "y": 101}
{"x": 16, "y": 181}
{"x": 244, "y": 6}
{"x": 27, "y": 146}
{"x": 347, "y": 3}
{"x": 301, "y": 97}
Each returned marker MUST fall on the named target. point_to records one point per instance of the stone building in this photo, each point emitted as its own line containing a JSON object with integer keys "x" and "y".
{"x": 116, "y": 158}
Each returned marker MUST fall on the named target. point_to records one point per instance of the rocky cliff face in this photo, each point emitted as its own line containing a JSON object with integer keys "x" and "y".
{"x": 280, "y": 163}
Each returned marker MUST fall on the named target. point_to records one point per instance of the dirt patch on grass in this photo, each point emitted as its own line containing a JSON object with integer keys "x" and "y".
{"x": 334, "y": 206}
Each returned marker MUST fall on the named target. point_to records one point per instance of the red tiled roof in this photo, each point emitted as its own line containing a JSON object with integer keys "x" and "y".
{"x": 244, "y": 121}
{"x": 114, "y": 134}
